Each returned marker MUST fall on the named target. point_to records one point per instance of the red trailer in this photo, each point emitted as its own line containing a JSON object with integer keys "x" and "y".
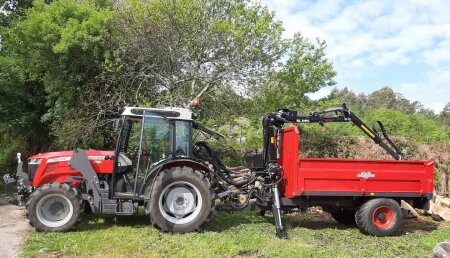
{"x": 367, "y": 193}
{"x": 351, "y": 177}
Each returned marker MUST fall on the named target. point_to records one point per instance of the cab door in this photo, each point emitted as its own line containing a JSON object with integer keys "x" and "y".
{"x": 156, "y": 145}
{"x": 127, "y": 151}
{"x": 144, "y": 143}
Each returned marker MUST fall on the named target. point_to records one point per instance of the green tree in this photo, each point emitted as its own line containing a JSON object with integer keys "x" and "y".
{"x": 356, "y": 102}
{"x": 12, "y": 9}
{"x": 306, "y": 70}
{"x": 54, "y": 53}
{"x": 173, "y": 51}
{"x": 387, "y": 98}
{"x": 444, "y": 116}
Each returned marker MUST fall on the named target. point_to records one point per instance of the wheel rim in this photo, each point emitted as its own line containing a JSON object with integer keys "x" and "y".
{"x": 383, "y": 217}
{"x": 180, "y": 202}
{"x": 54, "y": 210}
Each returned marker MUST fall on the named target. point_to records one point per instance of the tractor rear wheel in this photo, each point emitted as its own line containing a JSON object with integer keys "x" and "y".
{"x": 181, "y": 200}
{"x": 379, "y": 217}
{"x": 344, "y": 216}
{"x": 54, "y": 207}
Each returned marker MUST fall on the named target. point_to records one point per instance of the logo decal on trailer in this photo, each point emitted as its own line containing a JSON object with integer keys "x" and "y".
{"x": 365, "y": 174}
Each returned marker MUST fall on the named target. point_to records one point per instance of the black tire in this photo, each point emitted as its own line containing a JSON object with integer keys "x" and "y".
{"x": 168, "y": 182}
{"x": 62, "y": 194}
{"x": 379, "y": 217}
{"x": 344, "y": 216}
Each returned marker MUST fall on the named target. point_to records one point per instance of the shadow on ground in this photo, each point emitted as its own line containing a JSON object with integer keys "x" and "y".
{"x": 220, "y": 221}
{"x": 318, "y": 221}
{"x": 423, "y": 225}
{"x": 223, "y": 221}
{"x": 101, "y": 222}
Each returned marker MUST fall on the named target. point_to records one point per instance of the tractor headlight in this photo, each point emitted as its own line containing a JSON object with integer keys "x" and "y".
{"x": 35, "y": 162}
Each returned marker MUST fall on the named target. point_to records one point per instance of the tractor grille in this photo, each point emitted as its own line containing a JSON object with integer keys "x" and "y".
{"x": 32, "y": 170}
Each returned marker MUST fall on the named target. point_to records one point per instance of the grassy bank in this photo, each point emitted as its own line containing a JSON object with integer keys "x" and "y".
{"x": 239, "y": 235}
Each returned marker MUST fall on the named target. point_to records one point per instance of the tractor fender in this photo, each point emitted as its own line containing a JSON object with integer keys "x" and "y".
{"x": 160, "y": 168}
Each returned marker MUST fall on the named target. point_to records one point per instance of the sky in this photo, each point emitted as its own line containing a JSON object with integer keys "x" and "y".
{"x": 397, "y": 43}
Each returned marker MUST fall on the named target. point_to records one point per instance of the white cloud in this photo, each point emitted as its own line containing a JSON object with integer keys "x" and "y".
{"x": 378, "y": 33}
{"x": 438, "y": 55}
{"x": 320, "y": 93}
{"x": 367, "y": 27}
{"x": 435, "y": 92}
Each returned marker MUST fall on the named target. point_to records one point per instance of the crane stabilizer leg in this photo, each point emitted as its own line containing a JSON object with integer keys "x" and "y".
{"x": 281, "y": 231}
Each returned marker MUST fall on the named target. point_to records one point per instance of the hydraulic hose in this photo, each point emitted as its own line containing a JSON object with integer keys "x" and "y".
{"x": 222, "y": 171}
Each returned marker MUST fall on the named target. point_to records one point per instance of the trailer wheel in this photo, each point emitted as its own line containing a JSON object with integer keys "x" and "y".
{"x": 181, "y": 200}
{"x": 344, "y": 216}
{"x": 54, "y": 207}
{"x": 379, "y": 217}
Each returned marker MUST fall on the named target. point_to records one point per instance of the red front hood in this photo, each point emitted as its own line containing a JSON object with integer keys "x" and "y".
{"x": 58, "y": 154}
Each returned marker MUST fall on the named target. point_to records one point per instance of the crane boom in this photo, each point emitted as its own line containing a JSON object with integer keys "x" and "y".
{"x": 333, "y": 115}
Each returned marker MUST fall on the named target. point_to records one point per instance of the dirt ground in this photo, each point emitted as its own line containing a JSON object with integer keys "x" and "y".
{"x": 13, "y": 229}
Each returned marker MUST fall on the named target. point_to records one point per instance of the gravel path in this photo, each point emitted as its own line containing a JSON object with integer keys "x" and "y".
{"x": 13, "y": 229}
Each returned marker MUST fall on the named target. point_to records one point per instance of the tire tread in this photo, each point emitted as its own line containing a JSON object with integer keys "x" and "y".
{"x": 363, "y": 217}
{"x": 160, "y": 180}
{"x": 63, "y": 189}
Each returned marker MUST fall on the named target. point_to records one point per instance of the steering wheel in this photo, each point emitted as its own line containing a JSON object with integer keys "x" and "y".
{"x": 133, "y": 152}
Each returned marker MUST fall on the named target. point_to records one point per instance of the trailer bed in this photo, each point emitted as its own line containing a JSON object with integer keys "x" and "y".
{"x": 351, "y": 177}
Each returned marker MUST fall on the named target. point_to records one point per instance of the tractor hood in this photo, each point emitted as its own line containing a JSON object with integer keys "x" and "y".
{"x": 67, "y": 154}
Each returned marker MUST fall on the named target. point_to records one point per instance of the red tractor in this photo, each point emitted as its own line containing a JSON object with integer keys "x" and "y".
{"x": 157, "y": 164}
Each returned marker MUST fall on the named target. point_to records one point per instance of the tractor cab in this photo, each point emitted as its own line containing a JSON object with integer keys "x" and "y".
{"x": 148, "y": 139}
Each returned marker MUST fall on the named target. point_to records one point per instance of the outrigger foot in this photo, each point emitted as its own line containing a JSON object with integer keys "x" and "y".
{"x": 281, "y": 231}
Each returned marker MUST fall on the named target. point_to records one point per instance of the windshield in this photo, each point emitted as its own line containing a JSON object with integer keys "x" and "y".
{"x": 157, "y": 136}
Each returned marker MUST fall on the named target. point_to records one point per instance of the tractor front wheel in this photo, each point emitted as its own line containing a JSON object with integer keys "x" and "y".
{"x": 379, "y": 217}
{"x": 181, "y": 200}
{"x": 54, "y": 207}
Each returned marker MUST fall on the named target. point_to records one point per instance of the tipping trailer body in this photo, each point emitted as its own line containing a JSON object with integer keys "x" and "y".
{"x": 302, "y": 177}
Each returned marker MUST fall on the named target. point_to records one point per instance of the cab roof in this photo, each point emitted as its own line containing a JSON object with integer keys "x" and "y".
{"x": 168, "y": 112}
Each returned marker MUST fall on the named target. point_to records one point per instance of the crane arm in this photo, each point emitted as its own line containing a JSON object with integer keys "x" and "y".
{"x": 333, "y": 115}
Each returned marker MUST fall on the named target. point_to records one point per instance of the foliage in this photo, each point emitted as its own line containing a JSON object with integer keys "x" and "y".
{"x": 400, "y": 116}
{"x": 444, "y": 116}
{"x": 384, "y": 98}
{"x": 414, "y": 127}
{"x": 67, "y": 66}
{"x": 219, "y": 50}
{"x": 48, "y": 59}
{"x": 306, "y": 70}
{"x": 49, "y": 52}
{"x": 12, "y": 9}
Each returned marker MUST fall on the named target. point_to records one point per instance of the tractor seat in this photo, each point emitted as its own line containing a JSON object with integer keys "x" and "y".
{"x": 124, "y": 163}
